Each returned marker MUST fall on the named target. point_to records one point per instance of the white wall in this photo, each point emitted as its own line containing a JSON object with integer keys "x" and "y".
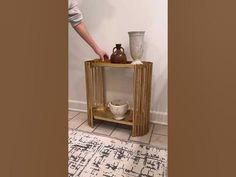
{"x": 109, "y": 21}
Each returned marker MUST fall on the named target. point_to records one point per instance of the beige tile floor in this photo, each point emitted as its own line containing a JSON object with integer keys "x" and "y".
{"x": 157, "y": 135}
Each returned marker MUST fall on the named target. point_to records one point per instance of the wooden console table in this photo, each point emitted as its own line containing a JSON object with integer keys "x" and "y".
{"x": 138, "y": 116}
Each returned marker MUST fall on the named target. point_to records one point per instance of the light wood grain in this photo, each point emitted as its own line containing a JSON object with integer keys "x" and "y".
{"x": 107, "y": 115}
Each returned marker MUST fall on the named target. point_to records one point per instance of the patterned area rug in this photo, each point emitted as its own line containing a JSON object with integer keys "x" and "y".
{"x": 92, "y": 155}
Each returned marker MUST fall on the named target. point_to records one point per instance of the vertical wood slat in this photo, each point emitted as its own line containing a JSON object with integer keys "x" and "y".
{"x": 89, "y": 91}
{"x": 141, "y": 100}
{"x": 135, "y": 76}
{"x": 149, "y": 89}
{"x": 96, "y": 94}
{"x": 138, "y": 102}
{"x": 134, "y": 100}
{"x": 146, "y": 97}
{"x": 151, "y": 68}
{"x": 150, "y": 85}
{"x": 101, "y": 87}
{"x": 92, "y": 90}
{"x": 98, "y": 89}
{"x": 143, "y": 107}
{"x": 87, "y": 86}
{"x": 145, "y": 100}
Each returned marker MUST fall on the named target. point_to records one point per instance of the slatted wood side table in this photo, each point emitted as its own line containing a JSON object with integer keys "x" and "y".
{"x": 138, "y": 116}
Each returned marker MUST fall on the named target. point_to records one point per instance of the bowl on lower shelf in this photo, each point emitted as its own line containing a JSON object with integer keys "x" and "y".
{"x": 118, "y": 108}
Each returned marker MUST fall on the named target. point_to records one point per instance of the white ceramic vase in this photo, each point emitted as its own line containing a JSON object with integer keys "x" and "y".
{"x": 136, "y": 45}
{"x": 118, "y": 109}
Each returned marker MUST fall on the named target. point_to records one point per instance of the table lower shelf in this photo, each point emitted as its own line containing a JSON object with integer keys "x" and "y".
{"x": 106, "y": 115}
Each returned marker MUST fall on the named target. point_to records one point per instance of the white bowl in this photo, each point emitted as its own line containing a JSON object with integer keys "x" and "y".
{"x": 118, "y": 109}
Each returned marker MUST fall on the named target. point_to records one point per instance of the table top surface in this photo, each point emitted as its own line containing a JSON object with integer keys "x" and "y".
{"x": 99, "y": 63}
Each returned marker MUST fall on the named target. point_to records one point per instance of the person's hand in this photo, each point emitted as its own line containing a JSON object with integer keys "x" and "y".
{"x": 83, "y": 32}
{"x": 102, "y": 54}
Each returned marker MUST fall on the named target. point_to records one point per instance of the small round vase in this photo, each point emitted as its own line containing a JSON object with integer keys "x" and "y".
{"x": 136, "y": 39}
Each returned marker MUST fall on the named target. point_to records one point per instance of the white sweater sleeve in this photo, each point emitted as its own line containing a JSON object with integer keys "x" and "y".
{"x": 74, "y": 14}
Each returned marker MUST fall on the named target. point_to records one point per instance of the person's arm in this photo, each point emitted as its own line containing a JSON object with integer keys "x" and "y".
{"x": 83, "y": 32}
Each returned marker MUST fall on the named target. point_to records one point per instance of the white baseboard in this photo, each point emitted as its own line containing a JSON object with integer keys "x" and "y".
{"x": 159, "y": 117}
{"x": 155, "y": 116}
{"x": 77, "y": 105}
